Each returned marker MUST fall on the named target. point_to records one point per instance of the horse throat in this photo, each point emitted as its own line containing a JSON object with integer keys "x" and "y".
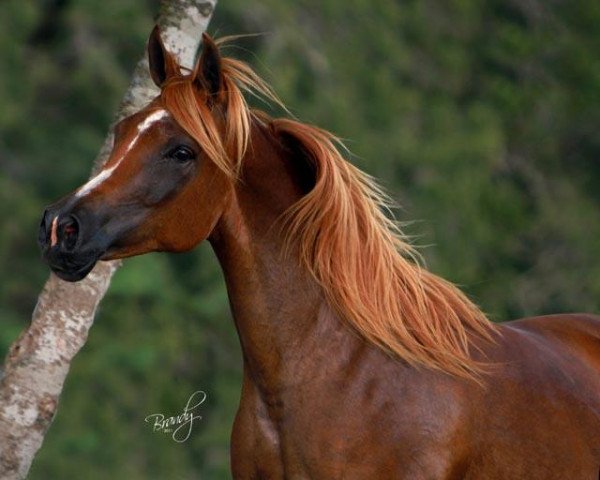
{"x": 278, "y": 309}
{"x": 286, "y": 328}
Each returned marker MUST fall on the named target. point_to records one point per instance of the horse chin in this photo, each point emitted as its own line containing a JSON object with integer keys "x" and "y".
{"x": 73, "y": 273}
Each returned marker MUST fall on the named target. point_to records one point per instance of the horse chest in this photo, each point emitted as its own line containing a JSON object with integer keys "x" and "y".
{"x": 342, "y": 434}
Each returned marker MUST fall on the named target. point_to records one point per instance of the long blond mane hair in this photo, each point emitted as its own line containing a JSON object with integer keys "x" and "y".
{"x": 368, "y": 270}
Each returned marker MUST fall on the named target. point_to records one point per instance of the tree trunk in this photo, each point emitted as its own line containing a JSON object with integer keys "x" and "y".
{"x": 38, "y": 362}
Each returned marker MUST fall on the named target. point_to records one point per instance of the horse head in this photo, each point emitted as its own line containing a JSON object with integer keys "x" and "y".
{"x": 161, "y": 188}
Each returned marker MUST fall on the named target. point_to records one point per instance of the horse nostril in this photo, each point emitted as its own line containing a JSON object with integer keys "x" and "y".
{"x": 68, "y": 229}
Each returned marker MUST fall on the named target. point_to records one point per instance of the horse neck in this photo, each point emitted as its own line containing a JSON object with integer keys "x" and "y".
{"x": 286, "y": 329}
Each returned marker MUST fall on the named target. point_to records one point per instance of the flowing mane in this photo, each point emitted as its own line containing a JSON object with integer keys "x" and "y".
{"x": 368, "y": 270}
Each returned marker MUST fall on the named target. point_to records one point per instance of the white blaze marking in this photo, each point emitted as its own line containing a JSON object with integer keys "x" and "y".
{"x": 150, "y": 119}
{"x": 97, "y": 180}
{"x": 53, "y": 234}
{"x": 107, "y": 172}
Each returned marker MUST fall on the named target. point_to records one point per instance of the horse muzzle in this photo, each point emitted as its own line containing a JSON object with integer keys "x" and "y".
{"x": 70, "y": 242}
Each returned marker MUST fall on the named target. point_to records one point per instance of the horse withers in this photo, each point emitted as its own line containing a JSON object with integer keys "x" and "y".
{"x": 358, "y": 362}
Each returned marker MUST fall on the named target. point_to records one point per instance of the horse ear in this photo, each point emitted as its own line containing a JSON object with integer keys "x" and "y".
{"x": 208, "y": 70}
{"x": 162, "y": 64}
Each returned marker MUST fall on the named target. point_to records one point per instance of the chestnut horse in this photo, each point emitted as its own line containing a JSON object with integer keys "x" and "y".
{"x": 358, "y": 362}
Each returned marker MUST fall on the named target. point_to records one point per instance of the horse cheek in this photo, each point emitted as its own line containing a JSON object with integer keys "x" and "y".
{"x": 193, "y": 215}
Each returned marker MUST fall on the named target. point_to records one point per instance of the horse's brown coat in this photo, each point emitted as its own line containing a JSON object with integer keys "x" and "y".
{"x": 318, "y": 400}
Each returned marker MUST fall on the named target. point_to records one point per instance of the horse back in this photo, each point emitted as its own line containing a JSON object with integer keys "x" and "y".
{"x": 540, "y": 415}
{"x": 575, "y": 335}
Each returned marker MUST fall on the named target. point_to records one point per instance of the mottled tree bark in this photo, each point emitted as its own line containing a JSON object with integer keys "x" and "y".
{"x": 38, "y": 362}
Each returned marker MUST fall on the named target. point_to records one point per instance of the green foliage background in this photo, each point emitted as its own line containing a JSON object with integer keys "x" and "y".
{"x": 480, "y": 117}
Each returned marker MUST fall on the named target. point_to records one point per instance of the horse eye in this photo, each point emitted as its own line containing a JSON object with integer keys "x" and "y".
{"x": 181, "y": 154}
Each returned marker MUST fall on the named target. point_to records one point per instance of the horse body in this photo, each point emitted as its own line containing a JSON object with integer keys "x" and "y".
{"x": 349, "y": 411}
{"x": 357, "y": 362}
{"x": 320, "y": 402}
